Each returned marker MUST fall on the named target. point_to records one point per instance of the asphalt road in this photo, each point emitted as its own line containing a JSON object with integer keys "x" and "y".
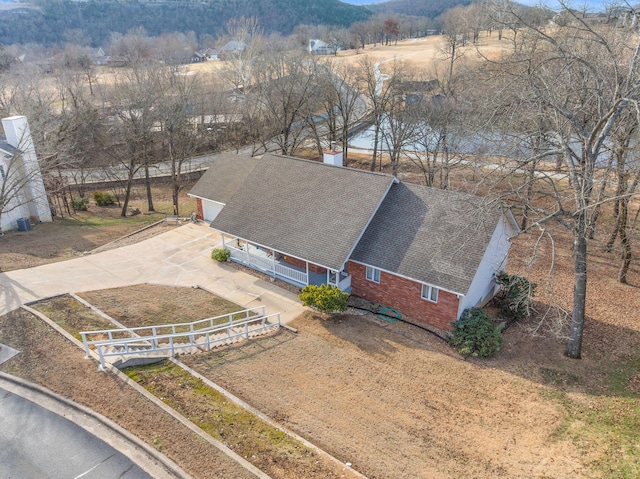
{"x": 37, "y": 443}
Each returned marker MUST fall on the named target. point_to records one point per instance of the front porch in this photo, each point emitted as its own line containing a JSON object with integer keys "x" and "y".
{"x": 279, "y": 265}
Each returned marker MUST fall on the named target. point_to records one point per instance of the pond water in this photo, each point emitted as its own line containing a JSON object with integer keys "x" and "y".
{"x": 480, "y": 144}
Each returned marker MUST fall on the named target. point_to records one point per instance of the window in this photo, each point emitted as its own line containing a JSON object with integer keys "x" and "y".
{"x": 373, "y": 274}
{"x": 429, "y": 293}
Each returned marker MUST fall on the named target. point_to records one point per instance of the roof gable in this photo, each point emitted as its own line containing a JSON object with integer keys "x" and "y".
{"x": 430, "y": 235}
{"x": 304, "y": 208}
{"x": 225, "y": 175}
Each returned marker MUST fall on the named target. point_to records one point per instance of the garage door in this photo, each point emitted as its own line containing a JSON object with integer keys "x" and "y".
{"x": 210, "y": 209}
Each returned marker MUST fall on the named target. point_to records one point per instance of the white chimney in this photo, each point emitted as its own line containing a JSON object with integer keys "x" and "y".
{"x": 16, "y": 129}
{"x": 332, "y": 157}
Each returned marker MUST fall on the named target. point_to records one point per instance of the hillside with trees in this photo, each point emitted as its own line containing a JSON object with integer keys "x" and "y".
{"x": 99, "y": 18}
{"x": 421, "y": 8}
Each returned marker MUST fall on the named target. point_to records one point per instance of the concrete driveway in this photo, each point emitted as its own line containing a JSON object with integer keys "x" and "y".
{"x": 180, "y": 257}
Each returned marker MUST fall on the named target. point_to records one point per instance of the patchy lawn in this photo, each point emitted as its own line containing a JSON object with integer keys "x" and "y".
{"x": 261, "y": 444}
{"x": 147, "y": 305}
{"x": 48, "y": 359}
{"x": 265, "y": 446}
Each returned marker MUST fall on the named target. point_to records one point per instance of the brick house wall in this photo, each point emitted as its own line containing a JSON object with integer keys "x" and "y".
{"x": 298, "y": 263}
{"x": 404, "y": 295}
{"x": 200, "y": 211}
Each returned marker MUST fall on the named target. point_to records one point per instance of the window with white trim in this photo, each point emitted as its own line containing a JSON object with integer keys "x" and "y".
{"x": 430, "y": 293}
{"x": 373, "y": 274}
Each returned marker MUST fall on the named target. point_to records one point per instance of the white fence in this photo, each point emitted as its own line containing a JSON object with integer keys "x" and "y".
{"x": 205, "y": 333}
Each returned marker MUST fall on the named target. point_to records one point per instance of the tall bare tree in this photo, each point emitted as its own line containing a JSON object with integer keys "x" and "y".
{"x": 584, "y": 77}
{"x": 284, "y": 89}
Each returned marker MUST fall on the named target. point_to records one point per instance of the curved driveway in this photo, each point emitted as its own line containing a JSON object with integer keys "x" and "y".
{"x": 179, "y": 257}
{"x": 37, "y": 443}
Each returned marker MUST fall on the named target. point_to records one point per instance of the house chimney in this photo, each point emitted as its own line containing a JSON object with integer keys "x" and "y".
{"x": 16, "y": 129}
{"x": 332, "y": 157}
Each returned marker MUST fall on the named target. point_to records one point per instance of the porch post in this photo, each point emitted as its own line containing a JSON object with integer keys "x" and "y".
{"x": 246, "y": 251}
{"x": 328, "y": 276}
{"x": 273, "y": 260}
{"x": 223, "y": 245}
{"x": 306, "y": 264}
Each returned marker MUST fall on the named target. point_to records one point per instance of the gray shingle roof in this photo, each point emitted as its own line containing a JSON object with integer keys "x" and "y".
{"x": 225, "y": 175}
{"x": 7, "y": 148}
{"x": 304, "y": 208}
{"x": 434, "y": 236}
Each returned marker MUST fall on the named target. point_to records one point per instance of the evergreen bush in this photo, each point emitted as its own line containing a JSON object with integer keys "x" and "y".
{"x": 326, "y": 298}
{"x": 80, "y": 204}
{"x": 475, "y": 333}
{"x": 104, "y": 198}
{"x": 221, "y": 254}
{"x": 514, "y": 299}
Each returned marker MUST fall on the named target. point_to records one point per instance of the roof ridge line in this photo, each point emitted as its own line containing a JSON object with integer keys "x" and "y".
{"x": 321, "y": 163}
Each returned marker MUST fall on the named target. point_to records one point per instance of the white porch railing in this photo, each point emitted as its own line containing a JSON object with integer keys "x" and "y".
{"x": 168, "y": 344}
{"x": 266, "y": 264}
{"x": 345, "y": 283}
{"x": 194, "y": 327}
{"x": 293, "y": 274}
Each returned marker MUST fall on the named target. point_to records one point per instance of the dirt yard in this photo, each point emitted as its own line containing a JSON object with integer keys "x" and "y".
{"x": 85, "y": 231}
{"x": 393, "y": 401}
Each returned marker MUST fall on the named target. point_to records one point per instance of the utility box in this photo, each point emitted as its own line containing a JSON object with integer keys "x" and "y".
{"x": 23, "y": 224}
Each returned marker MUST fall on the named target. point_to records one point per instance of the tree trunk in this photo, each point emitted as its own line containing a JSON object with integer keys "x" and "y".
{"x": 174, "y": 177}
{"x": 376, "y": 136}
{"x": 127, "y": 190}
{"x": 147, "y": 181}
{"x": 614, "y": 233}
{"x": 527, "y": 200}
{"x": 453, "y": 59}
{"x": 623, "y": 220}
{"x": 574, "y": 344}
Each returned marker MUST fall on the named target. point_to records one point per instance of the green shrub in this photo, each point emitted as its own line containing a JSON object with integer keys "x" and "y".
{"x": 104, "y": 198}
{"x": 80, "y": 204}
{"x": 221, "y": 254}
{"x": 514, "y": 300}
{"x": 326, "y": 298}
{"x": 475, "y": 333}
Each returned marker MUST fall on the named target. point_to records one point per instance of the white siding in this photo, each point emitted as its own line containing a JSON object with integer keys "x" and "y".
{"x": 483, "y": 286}
{"x": 210, "y": 209}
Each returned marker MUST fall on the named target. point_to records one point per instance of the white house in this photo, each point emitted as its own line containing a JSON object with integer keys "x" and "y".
{"x": 319, "y": 47}
{"x": 22, "y": 192}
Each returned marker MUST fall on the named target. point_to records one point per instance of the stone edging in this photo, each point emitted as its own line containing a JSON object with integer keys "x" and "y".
{"x": 233, "y": 455}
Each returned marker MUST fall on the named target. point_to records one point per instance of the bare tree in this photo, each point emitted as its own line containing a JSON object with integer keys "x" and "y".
{"x": 285, "y": 86}
{"x": 391, "y": 28}
{"x": 378, "y": 90}
{"x": 360, "y": 33}
{"x": 135, "y": 47}
{"x": 180, "y": 128}
{"x": 241, "y": 60}
{"x": 584, "y": 77}
{"x": 134, "y": 96}
{"x": 455, "y": 35}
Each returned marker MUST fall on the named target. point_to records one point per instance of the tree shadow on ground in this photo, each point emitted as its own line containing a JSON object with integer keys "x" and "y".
{"x": 610, "y": 363}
